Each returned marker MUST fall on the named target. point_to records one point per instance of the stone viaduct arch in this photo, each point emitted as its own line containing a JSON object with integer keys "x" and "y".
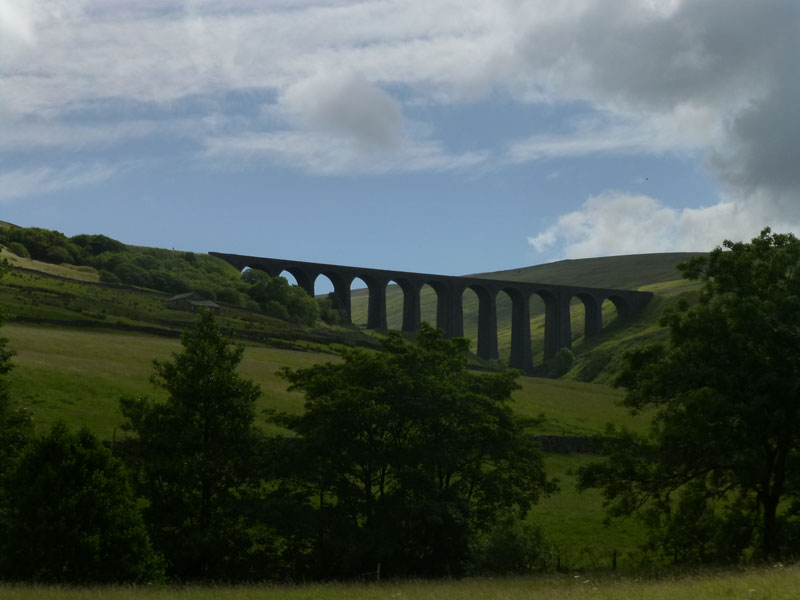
{"x": 449, "y": 311}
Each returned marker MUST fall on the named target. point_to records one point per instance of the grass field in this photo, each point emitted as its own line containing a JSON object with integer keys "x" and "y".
{"x": 78, "y": 375}
{"x": 766, "y": 583}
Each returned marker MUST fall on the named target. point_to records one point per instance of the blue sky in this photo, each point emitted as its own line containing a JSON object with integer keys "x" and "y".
{"x": 447, "y": 137}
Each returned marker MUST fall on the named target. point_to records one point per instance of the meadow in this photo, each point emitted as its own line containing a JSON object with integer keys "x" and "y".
{"x": 775, "y": 582}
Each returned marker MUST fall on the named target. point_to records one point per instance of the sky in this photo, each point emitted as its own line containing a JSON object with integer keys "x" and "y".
{"x": 447, "y": 137}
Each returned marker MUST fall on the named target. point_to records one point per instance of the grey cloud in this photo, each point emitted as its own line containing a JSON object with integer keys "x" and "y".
{"x": 346, "y": 104}
{"x": 621, "y": 51}
{"x": 764, "y": 143}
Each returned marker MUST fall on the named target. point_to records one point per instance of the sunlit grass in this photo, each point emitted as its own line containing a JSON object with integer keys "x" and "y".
{"x": 80, "y": 273}
{"x": 78, "y": 375}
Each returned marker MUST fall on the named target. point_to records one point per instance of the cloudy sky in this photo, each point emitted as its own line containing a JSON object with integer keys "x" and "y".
{"x": 439, "y": 136}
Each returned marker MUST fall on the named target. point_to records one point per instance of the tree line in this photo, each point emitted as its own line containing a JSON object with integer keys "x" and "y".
{"x": 404, "y": 464}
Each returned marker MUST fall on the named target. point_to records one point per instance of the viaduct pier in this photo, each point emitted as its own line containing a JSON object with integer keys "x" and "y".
{"x": 449, "y": 309}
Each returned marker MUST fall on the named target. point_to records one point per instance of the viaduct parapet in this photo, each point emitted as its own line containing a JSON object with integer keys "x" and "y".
{"x": 449, "y": 309}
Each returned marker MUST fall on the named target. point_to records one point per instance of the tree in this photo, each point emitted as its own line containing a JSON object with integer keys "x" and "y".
{"x": 196, "y": 456}
{"x": 279, "y": 299}
{"x": 71, "y": 516}
{"x": 724, "y": 449}
{"x": 15, "y": 421}
{"x": 404, "y": 455}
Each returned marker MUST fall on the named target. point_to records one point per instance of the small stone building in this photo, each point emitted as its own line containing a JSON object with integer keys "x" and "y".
{"x": 192, "y": 302}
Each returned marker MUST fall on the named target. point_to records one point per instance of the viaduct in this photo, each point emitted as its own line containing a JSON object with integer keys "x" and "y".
{"x": 449, "y": 311}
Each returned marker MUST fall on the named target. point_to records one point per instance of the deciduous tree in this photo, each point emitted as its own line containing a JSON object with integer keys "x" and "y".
{"x": 404, "y": 454}
{"x": 71, "y": 516}
{"x": 196, "y": 457}
{"x": 15, "y": 420}
{"x": 724, "y": 450}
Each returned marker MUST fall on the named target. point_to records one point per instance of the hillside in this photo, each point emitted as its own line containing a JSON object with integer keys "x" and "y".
{"x": 38, "y": 292}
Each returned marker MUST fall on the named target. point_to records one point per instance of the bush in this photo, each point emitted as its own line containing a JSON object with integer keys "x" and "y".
{"x": 205, "y": 292}
{"x": 18, "y": 249}
{"x": 71, "y": 516}
{"x": 58, "y": 255}
{"x": 592, "y": 365}
{"x": 132, "y": 275}
{"x": 229, "y": 295}
{"x": 561, "y": 363}
{"x": 513, "y": 547}
{"x": 108, "y": 277}
{"x": 97, "y": 244}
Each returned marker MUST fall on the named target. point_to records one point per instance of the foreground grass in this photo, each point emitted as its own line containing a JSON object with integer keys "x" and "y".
{"x": 768, "y": 583}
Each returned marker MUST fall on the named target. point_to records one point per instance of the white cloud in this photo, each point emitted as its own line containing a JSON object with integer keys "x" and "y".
{"x": 325, "y": 154}
{"x": 16, "y": 24}
{"x": 19, "y": 183}
{"x": 618, "y": 223}
{"x": 685, "y": 129}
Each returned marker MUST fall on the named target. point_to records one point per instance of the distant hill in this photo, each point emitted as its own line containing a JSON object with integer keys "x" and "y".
{"x": 623, "y": 272}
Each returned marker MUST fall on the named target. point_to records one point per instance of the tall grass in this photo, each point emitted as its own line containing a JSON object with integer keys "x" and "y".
{"x": 766, "y": 583}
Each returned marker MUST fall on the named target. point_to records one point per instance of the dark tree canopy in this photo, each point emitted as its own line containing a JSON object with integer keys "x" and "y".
{"x": 195, "y": 455}
{"x": 71, "y": 516}
{"x": 721, "y": 470}
{"x": 15, "y": 420}
{"x": 403, "y": 455}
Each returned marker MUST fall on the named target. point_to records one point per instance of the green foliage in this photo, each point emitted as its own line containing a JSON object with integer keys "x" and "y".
{"x": 15, "y": 421}
{"x": 513, "y": 546}
{"x": 97, "y": 244}
{"x": 42, "y": 244}
{"x": 561, "y": 363}
{"x": 277, "y": 298}
{"x": 405, "y": 455}
{"x": 167, "y": 271}
{"x": 71, "y": 517}
{"x": 592, "y": 365}
{"x": 108, "y": 277}
{"x": 727, "y": 430}
{"x": 18, "y": 249}
{"x": 196, "y": 457}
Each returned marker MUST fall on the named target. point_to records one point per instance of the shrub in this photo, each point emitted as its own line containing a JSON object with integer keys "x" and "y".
{"x": 71, "y": 516}
{"x": 561, "y": 363}
{"x": 513, "y": 547}
{"x": 58, "y": 255}
{"x": 18, "y": 249}
{"x": 592, "y": 365}
{"x": 229, "y": 295}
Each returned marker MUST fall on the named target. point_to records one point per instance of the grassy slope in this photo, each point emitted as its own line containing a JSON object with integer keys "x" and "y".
{"x": 61, "y": 294}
